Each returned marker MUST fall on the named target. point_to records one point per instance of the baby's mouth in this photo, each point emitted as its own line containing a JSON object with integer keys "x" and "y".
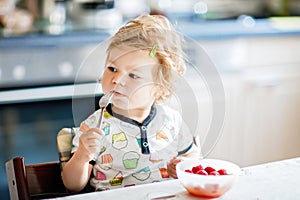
{"x": 118, "y": 93}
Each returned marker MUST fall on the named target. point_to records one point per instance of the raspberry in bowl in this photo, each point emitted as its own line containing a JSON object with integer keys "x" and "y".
{"x": 207, "y": 178}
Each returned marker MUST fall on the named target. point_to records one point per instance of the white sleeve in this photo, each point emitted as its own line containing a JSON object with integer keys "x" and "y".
{"x": 185, "y": 139}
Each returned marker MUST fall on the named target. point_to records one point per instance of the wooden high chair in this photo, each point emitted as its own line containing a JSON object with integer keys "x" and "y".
{"x": 41, "y": 180}
{"x": 34, "y": 181}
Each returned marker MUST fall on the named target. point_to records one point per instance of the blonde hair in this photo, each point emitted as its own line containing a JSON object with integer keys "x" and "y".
{"x": 154, "y": 33}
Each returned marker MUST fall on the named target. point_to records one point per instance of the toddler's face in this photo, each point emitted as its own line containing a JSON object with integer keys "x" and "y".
{"x": 130, "y": 74}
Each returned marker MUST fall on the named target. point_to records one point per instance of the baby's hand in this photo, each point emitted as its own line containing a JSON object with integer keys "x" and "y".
{"x": 89, "y": 143}
{"x": 171, "y": 166}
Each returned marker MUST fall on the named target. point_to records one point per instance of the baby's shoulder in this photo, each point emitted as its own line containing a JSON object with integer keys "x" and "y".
{"x": 168, "y": 111}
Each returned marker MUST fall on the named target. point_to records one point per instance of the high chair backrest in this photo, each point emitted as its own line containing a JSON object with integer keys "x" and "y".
{"x": 41, "y": 180}
{"x": 34, "y": 181}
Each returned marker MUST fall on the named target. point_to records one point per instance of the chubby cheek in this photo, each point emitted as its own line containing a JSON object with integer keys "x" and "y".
{"x": 106, "y": 84}
{"x": 142, "y": 95}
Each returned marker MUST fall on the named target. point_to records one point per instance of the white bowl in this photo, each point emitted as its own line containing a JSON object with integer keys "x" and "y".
{"x": 207, "y": 186}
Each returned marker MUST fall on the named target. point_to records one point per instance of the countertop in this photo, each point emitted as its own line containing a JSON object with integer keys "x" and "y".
{"x": 194, "y": 28}
{"x": 270, "y": 181}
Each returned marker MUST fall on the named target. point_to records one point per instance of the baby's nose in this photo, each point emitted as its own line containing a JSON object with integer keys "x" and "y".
{"x": 119, "y": 79}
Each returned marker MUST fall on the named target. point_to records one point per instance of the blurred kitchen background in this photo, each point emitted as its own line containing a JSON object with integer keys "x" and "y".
{"x": 254, "y": 44}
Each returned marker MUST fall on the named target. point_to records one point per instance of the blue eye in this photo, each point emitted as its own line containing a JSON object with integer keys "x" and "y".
{"x": 131, "y": 75}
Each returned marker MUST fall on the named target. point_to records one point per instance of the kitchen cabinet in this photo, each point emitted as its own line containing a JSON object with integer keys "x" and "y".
{"x": 262, "y": 99}
{"x": 270, "y": 119}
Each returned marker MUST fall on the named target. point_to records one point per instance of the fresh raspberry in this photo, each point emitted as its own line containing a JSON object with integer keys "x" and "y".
{"x": 214, "y": 173}
{"x": 222, "y": 172}
{"x": 202, "y": 172}
{"x": 197, "y": 168}
{"x": 209, "y": 169}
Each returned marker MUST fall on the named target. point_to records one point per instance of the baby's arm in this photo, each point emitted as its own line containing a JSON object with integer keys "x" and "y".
{"x": 77, "y": 170}
{"x": 171, "y": 166}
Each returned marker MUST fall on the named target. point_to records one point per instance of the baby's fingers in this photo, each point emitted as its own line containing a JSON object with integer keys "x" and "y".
{"x": 90, "y": 142}
{"x": 95, "y": 130}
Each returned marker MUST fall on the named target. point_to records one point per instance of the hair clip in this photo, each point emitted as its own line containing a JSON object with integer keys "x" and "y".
{"x": 153, "y": 51}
